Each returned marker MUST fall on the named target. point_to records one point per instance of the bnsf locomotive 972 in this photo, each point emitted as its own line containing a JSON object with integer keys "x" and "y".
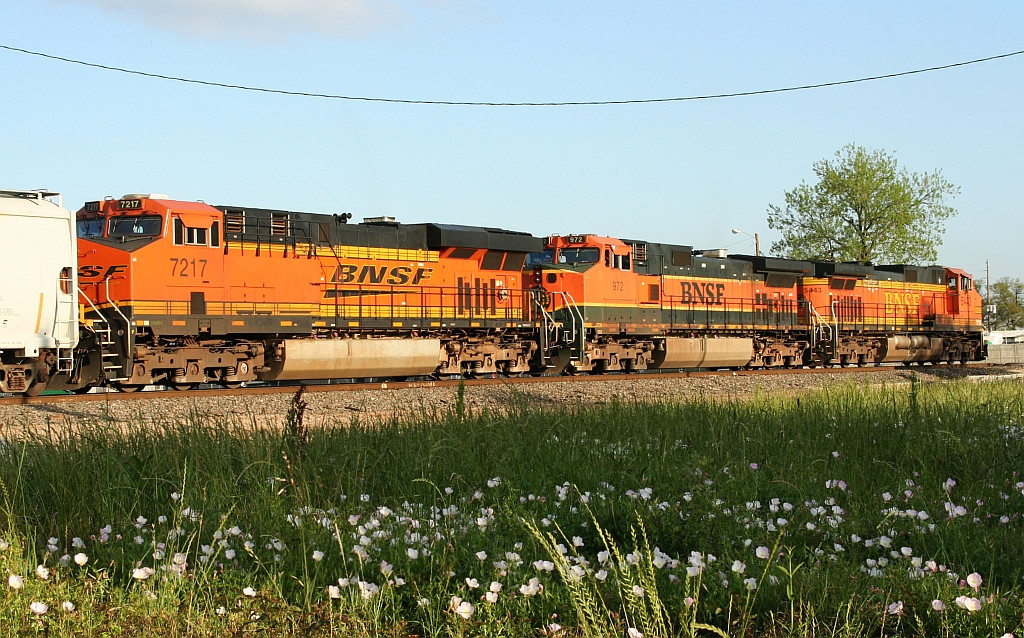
{"x": 183, "y": 293}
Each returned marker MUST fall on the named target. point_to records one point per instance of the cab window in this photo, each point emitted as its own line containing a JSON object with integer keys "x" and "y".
{"x": 134, "y": 226}
{"x": 196, "y": 236}
{"x": 539, "y": 259}
{"x": 90, "y": 227}
{"x": 579, "y": 255}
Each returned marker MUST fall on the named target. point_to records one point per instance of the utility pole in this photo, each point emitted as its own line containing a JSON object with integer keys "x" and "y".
{"x": 988, "y": 298}
{"x": 755, "y": 237}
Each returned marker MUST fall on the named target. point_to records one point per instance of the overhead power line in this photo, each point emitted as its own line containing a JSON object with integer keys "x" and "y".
{"x": 356, "y": 98}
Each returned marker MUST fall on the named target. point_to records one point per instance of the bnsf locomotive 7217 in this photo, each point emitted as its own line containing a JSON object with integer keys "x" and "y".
{"x": 180, "y": 293}
{"x": 183, "y": 293}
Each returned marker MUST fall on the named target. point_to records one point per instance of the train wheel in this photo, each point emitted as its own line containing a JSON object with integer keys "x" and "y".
{"x": 505, "y": 372}
{"x": 128, "y": 388}
{"x": 35, "y": 389}
{"x": 182, "y": 387}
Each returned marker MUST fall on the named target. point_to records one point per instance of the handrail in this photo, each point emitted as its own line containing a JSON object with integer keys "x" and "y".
{"x": 118, "y": 309}
{"x": 91, "y": 304}
{"x": 820, "y": 322}
{"x": 578, "y": 335}
{"x": 548, "y": 323}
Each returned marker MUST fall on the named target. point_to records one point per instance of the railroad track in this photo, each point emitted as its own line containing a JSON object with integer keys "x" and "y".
{"x": 258, "y": 390}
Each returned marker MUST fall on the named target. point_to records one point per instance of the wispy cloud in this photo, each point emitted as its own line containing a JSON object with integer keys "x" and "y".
{"x": 270, "y": 20}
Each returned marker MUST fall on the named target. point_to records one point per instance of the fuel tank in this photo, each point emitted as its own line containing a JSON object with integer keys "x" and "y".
{"x": 683, "y": 352}
{"x": 908, "y": 348}
{"x": 298, "y": 359}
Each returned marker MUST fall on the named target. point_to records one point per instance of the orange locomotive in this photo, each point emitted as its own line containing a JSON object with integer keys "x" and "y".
{"x": 182, "y": 293}
{"x": 613, "y": 304}
{"x": 894, "y": 313}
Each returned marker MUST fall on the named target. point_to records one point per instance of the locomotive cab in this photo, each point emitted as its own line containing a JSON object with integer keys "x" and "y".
{"x": 961, "y": 294}
{"x": 583, "y": 273}
{"x": 601, "y": 310}
{"x": 146, "y": 247}
{"x": 146, "y": 265}
{"x": 123, "y": 221}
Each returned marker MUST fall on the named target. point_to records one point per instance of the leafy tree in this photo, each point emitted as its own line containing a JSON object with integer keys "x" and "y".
{"x": 864, "y": 207}
{"x": 1007, "y": 295}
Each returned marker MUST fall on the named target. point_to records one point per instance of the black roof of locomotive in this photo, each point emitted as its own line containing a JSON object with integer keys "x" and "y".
{"x": 763, "y": 263}
{"x": 677, "y": 259}
{"x": 451, "y": 235}
{"x": 912, "y": 274}
{"x": 281, "y": 226}
{"x": 843, "y": 269}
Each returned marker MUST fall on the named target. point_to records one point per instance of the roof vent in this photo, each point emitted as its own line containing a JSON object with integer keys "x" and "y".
{"x": 146, "y": 196}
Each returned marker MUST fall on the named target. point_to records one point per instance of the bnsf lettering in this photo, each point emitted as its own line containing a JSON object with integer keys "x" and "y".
{"x": 393, "y": 276}
{"x": 91, "y": 272}
{"x": 903, "y": 298}
{"x": 710, "y": 293}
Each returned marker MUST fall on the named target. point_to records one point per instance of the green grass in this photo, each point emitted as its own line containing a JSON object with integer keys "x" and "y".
{"x": 840, "y": 513}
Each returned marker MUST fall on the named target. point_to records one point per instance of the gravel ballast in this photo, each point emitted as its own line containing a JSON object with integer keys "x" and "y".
{"x": 327, "y": 409}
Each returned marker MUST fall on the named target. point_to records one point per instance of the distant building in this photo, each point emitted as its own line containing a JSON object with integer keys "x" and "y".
{"x": 1000, "y": 337}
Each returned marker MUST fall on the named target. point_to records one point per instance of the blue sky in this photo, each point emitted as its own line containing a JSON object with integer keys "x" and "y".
{"x": 683, "y": 172}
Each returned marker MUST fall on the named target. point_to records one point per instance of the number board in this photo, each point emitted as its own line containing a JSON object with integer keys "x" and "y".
{"x": 129, "y": 204}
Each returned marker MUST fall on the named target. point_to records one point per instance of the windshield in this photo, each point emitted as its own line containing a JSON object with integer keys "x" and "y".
{"x": 579, "y": 255}
{"x": 539, "y": 259}
{"x": 141, "y": 226}
{"x": 90, "y": 227}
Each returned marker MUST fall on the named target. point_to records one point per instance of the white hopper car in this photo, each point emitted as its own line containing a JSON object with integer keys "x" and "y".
{"x": 38, "y": 290}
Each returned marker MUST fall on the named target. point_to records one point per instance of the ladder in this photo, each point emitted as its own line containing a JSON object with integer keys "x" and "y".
{"x": 64, "y": 333}
{"x": 574, "y": 336}
{"x": 548, "y": 326}
{"x": 823, "y": 331}
{"x": 112, "y": 371}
